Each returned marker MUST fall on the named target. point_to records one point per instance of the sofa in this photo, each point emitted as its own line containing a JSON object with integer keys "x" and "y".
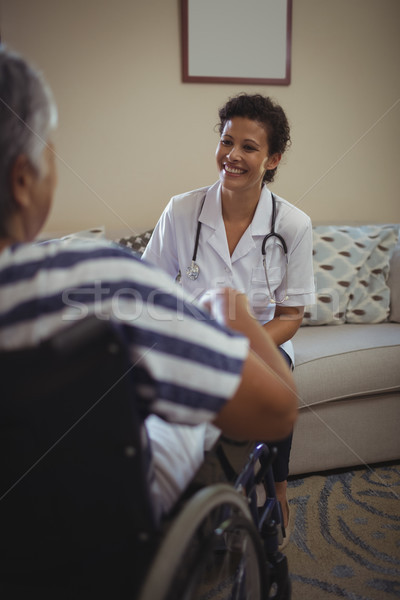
{"x": 347, "y": 351}
{"x": 348, "y": 362}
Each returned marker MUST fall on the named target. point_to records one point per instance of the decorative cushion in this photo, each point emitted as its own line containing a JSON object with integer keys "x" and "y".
{"x": 351, "y": 267}
{"x": 137, "y": 242}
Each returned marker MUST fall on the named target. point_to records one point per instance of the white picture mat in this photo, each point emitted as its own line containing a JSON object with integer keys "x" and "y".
{"x": 232, "y": 38}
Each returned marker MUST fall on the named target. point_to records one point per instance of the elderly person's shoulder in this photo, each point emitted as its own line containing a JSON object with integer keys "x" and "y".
{"x": 102, "y": 258}
{"x": 72, "y": 244}
{"x": 63, "y": 253}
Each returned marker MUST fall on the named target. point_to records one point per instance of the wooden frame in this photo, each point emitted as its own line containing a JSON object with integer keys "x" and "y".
{"x": 231, "y": 41}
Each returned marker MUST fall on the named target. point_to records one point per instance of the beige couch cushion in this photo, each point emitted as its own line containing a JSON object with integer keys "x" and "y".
{"x": 346, "y": 361}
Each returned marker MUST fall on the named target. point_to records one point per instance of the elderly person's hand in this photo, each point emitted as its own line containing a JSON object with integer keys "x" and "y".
{"x": 231, "y": 308}
{"x": 228, "y": 306}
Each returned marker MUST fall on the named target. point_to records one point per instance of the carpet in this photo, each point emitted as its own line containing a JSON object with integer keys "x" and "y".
{"x": 345, "y": 540}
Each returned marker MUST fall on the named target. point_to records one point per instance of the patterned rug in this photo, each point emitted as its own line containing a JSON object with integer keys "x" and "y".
{"x": 345, "y": 540}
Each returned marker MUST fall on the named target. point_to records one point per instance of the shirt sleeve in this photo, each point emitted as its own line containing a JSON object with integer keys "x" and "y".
{"x": 162, "y": 247}
{"x": 190, "y": 365}
{"x": 300, "y": 275}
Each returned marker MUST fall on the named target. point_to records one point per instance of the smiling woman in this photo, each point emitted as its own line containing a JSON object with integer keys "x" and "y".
{"x": 235, "y": 233}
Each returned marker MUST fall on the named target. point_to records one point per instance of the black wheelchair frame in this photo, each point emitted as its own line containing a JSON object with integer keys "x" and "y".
{"x": 75, "y": 512}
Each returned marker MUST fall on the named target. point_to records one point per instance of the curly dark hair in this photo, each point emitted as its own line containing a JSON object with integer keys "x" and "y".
{"x": 266, "y": 112}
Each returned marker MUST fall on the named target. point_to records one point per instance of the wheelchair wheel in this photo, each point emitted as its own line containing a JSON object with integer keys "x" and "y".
{"x": 212, "y": 550}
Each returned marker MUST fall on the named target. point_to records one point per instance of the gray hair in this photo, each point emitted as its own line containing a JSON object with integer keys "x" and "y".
{"x": 28, "y": 114}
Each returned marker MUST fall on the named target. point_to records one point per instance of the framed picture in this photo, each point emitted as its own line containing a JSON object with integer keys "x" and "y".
{"x": 236, "y": 41}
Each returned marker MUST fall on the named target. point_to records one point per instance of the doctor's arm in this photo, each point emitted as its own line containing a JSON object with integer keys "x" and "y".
{"x": 286, "y": 321}
{"x": 161, "y": 249}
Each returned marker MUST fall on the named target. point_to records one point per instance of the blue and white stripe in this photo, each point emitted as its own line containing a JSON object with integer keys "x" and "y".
{"x": 194, "y": 364}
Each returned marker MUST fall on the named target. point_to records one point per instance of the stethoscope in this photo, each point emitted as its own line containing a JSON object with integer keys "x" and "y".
{"x": 192, "y": 272}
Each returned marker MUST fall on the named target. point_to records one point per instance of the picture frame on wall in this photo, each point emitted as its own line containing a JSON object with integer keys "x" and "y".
{"x": 231, "y": 41}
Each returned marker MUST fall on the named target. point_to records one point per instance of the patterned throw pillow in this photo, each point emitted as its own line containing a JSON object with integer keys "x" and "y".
{"x": 351, "y": 267}
{"x": 137, "y": 242}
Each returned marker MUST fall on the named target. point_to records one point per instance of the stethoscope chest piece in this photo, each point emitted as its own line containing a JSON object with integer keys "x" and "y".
{"x": 193, "y": 271}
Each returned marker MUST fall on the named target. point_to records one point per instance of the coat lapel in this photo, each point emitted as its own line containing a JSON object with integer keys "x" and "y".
{"x": 213, "y": 224}
{"x": 214, "y": 228}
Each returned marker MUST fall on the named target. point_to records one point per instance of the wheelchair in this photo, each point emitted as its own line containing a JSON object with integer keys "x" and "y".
{"x": 75, "y": 513}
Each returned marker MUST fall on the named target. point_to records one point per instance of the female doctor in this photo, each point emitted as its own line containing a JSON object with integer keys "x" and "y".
{"x": 236, "y": 233}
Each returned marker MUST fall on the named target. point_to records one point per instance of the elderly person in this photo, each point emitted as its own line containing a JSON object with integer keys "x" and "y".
{"x": 200, "y": 370}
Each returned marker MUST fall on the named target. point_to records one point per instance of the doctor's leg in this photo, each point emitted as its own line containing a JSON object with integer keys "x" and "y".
{"x": 280, "y": 470}
{"x": 280, "y": 466}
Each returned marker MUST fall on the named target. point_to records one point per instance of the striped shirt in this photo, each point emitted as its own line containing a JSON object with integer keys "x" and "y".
{"x": 193, "y": 365}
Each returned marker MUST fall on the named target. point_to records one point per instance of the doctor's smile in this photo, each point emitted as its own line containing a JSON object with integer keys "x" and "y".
{"x": 234, "y": 170}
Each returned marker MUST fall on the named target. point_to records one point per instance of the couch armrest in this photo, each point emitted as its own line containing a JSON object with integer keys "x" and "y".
{"x": 394, "y": 284}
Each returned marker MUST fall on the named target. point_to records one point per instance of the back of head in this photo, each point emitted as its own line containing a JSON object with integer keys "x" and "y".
{"x": 27, "y": 116}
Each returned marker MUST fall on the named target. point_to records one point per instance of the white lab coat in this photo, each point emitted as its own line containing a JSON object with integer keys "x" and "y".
{"x": 172, "y": 243}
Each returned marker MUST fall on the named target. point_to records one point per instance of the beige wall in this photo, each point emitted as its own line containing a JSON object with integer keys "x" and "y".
{"x": 131, "y": 134}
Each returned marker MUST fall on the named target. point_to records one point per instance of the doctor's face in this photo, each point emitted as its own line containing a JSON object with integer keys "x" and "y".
{"x": 242, "y": 155}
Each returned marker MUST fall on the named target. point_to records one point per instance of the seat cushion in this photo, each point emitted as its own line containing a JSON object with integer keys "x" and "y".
{"x": 346, "y": 360}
